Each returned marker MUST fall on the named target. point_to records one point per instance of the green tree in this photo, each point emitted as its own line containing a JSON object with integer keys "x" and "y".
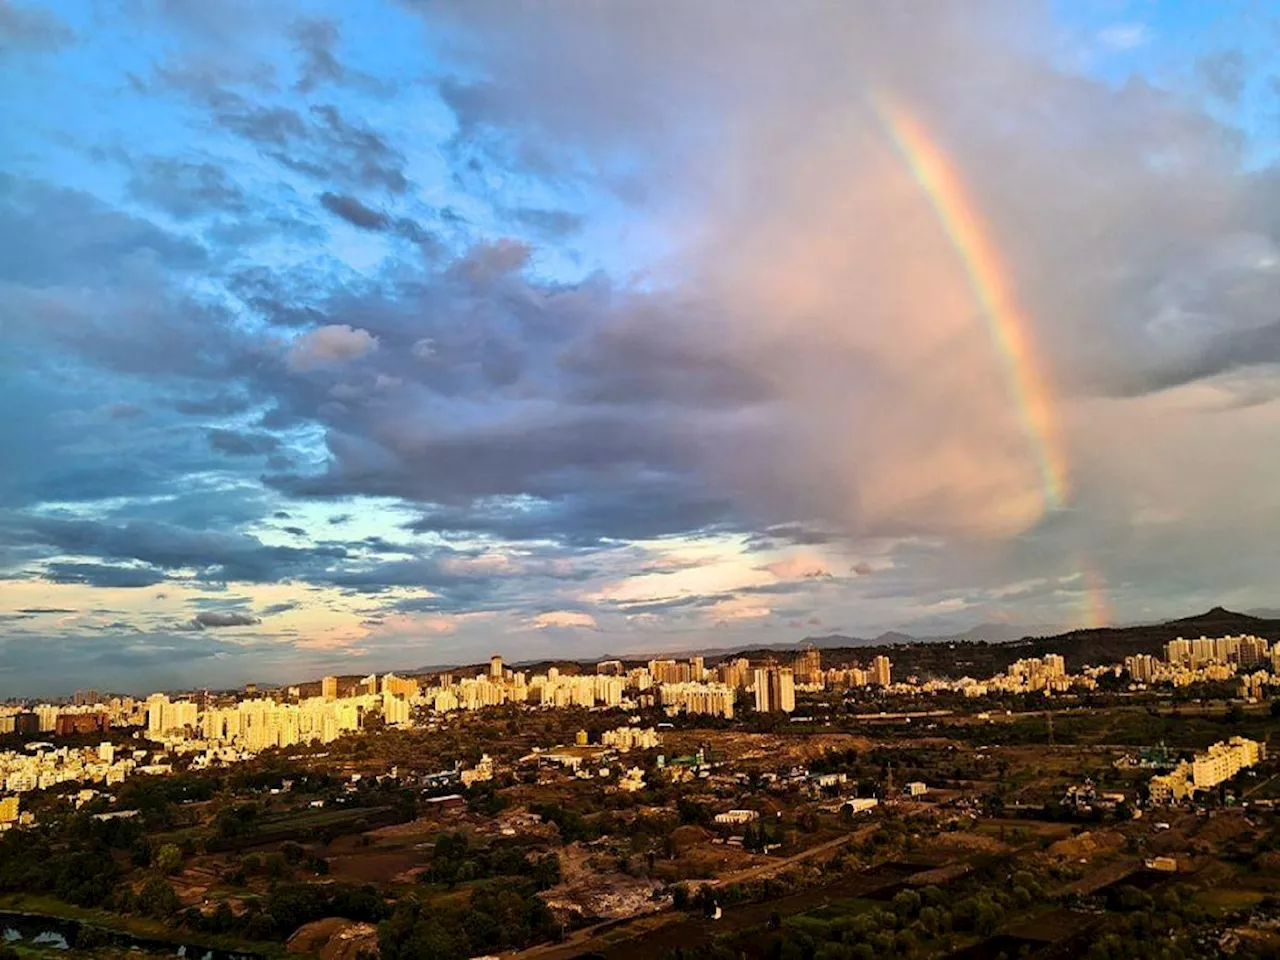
{"x": 168, "y": 858}
{"x": 158, "y": 899}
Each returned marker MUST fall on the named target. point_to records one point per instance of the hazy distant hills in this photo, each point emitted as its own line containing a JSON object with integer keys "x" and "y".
{"x": 990, "y": 632}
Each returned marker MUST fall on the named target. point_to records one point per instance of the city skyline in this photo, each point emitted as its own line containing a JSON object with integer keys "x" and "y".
{"x": 343, "y": 343}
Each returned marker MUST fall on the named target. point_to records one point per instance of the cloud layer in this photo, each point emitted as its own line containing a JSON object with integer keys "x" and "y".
{"x": 464, "y": 327}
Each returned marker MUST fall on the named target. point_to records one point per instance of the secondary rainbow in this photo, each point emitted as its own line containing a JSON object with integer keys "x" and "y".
{"x": 991, "y": 288}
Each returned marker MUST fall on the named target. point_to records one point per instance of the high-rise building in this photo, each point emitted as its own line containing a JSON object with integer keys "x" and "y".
{"x": 775, "y": 689}
{"x": 808, "y": 665}
{"x": 881, "y": 671}
{"x": 495, "y": 667}
{"x": 735, "y": 673}
{"x": 670, "y": 671}
{"x": 783, "y": 695}
{"x": 329, "y": 688}
{"x": 1141, "y": 667}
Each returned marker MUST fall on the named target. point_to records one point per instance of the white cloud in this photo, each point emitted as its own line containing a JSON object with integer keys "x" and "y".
{"x": 566, "y": 619}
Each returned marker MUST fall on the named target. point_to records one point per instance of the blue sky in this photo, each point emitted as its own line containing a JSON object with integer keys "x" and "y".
{"x": 345, "y": 338}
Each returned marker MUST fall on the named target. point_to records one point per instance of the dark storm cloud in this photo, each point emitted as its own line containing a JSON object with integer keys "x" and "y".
{"x": 102, "y": 575}
{"x": 1222, "y": 353}
{"x": 217, "y": 556}
{"x": 237, "y": 444}
{"x": 69, "y": 236}
{"x": 790, "y": 534}
{"x": 354, "y": 212}
{"x": 45, "y": 610}
{"x": 642, "y": 510}
{"x": 186, "y": 189}
{"x": 119, "y": 659}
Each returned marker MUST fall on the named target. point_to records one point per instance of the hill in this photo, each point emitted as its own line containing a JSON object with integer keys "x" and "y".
{"x": 958, "y": 657}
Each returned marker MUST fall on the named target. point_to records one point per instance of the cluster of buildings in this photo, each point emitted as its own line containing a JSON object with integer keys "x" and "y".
{"x": 1218, "y": 764}
{"x": 67, "y": 719}
{"x": 43, "y": 765}
{"x": 1208, "y": 659}
{"x": 677, "y": 686}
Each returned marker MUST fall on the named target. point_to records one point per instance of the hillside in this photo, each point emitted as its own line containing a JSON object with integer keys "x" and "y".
{"x": 1105, "y": 645}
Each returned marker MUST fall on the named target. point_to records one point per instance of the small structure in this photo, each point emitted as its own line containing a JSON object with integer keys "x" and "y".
{"x": 737, "y": 817}
{"x": 450, "y": 803}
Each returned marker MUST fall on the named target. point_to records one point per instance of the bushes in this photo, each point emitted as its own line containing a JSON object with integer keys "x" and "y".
{"x": 157, "y": 899}
{"x": 85, "y": 875}
{"x": 501, "y": 916}
{"x": 455, "y": 861}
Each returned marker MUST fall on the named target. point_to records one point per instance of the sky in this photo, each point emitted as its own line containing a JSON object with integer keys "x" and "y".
{"x": 355, "y": 337}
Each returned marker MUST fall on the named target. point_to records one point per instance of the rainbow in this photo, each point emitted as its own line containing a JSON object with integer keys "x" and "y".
{"x": 1097, "y": 605}
{"x": 991, "y": 288}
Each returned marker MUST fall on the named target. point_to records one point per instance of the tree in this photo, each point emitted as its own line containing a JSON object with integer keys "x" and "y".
{"x": 168, "y": 858}
{"x": 906, "y": 904}
{"x": 158, "y": 899}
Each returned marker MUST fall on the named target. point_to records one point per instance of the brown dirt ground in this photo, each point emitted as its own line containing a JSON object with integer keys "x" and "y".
{"x": 375, "y": 866}
{"x": 334, "y": 939}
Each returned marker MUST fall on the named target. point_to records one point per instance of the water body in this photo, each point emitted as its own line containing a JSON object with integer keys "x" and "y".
{"x": 60, "y": 933}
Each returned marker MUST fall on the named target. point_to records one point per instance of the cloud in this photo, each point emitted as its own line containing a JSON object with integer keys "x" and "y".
{"x": 564, "y": 619}
{"x": 798, "y": 567}
{"x": 238, "y": 444}
{"x": 1124, "y": 36}
{"x": 629, "y": 284}
{"x": 354, "y": 212}
{"x": 102, "y": 575}
{"x": 26, "y": 28}
{"x": 1223, "y": 74}
{"x": 315, "y": 40}
{"x": 186, "y": 189}
{"x": 71, "y": 237}
{"x": 329, "y": 345}
{"x": 214, "y": 554}
{"x": 213, "y": 619}
{"x": 548, "y": 223}
{"x": 321, "y": 144}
